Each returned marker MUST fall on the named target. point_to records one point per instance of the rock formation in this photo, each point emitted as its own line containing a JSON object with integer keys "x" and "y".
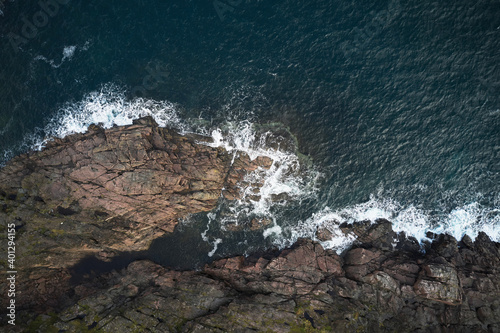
{"x": 105, "y": 192}
{"x": 369, "y": 288}
{"x": 114, "y": 190}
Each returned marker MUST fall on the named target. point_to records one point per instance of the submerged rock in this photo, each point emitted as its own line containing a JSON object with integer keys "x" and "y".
{"x": 253, "y": 225}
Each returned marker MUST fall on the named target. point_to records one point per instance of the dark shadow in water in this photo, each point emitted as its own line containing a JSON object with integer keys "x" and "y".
{"x": 183, "y": 249}
{"x": 90, "y": 267}
{"x": 180, "y": 250}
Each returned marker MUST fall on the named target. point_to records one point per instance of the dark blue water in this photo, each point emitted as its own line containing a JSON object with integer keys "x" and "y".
{"x": 397, "y": 103}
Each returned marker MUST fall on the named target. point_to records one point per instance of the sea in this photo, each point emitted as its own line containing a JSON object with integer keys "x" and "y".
{"x": 368, "y": 109}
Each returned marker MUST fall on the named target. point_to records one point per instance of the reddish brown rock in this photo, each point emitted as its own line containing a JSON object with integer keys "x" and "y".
{"x": 360, "y": 256}
{"x": 323, "y": 234}
{"x": 257, "y": 223}
{"x": 109, "y": 191}
{"x": 115, "y": 190}
{"x": 294, "y": 271}
{"x": 302, "y": 288}
{"x": 253, "y": 225}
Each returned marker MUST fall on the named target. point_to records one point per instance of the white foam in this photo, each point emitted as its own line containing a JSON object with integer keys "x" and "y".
{"x": 471, "y": 219}
{"x": 67, "y": 53}
{"x": 411, "y": 221}
{"x": 275, "y": 230}
{"x": 285, "y": 176}
{"x": 8, "y": 154}
{"x": 107, "y": 107}
{"x": 211, "y": 217}
{"x": 215, "y": 245}
{"x": 86, "y": 46}
{"x": 286, "y": 179}
{"x": 468, "y": 219}
{"x": 327, "y": 219}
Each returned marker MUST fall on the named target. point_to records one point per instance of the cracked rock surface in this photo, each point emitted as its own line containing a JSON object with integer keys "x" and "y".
{"x": 105, "y": 192}
{"x": 109, "y": 191}
{"x": 305, "y": 288}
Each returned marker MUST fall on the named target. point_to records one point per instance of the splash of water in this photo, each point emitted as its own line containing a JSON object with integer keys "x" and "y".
{"x": 469, "y": 219}
{"x": 262, "y": 189}
{"x": 107, "y": 107}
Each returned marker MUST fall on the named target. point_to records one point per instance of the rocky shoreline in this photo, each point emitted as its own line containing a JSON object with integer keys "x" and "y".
{"x": 107, "y": 192}
{"x": 372, "y": 287}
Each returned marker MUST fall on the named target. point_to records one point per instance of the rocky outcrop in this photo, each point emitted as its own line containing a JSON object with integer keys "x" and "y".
{"x": 369, "y": 288}
{"x": 109, "y": 191}
{"x": 105, "y": 192}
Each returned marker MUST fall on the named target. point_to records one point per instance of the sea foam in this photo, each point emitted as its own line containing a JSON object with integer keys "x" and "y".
{"x": 469, "y": 219}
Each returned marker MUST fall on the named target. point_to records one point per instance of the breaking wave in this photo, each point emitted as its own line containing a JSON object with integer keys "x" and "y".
{"x": 469, "y": 219}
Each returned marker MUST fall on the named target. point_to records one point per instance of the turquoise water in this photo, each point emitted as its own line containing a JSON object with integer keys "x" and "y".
{"x": 396, "y": 104}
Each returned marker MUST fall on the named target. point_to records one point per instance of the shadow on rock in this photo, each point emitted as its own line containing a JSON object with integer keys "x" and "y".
{"x": 91, "y": 267}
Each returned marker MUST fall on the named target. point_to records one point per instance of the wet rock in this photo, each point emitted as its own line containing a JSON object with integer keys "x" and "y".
{"x": 445, "y": 246}
{"x": 280, "y": 197}
{"x": 466, "y": 241}
{"x": 259, "y": 223}
{"x": 324, "y": 234}
{"x": 253, "y": 225}
{"x": 379, "y": 235}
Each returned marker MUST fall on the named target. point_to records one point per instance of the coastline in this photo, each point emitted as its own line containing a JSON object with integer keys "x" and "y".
{"x": 107, "y": 192}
